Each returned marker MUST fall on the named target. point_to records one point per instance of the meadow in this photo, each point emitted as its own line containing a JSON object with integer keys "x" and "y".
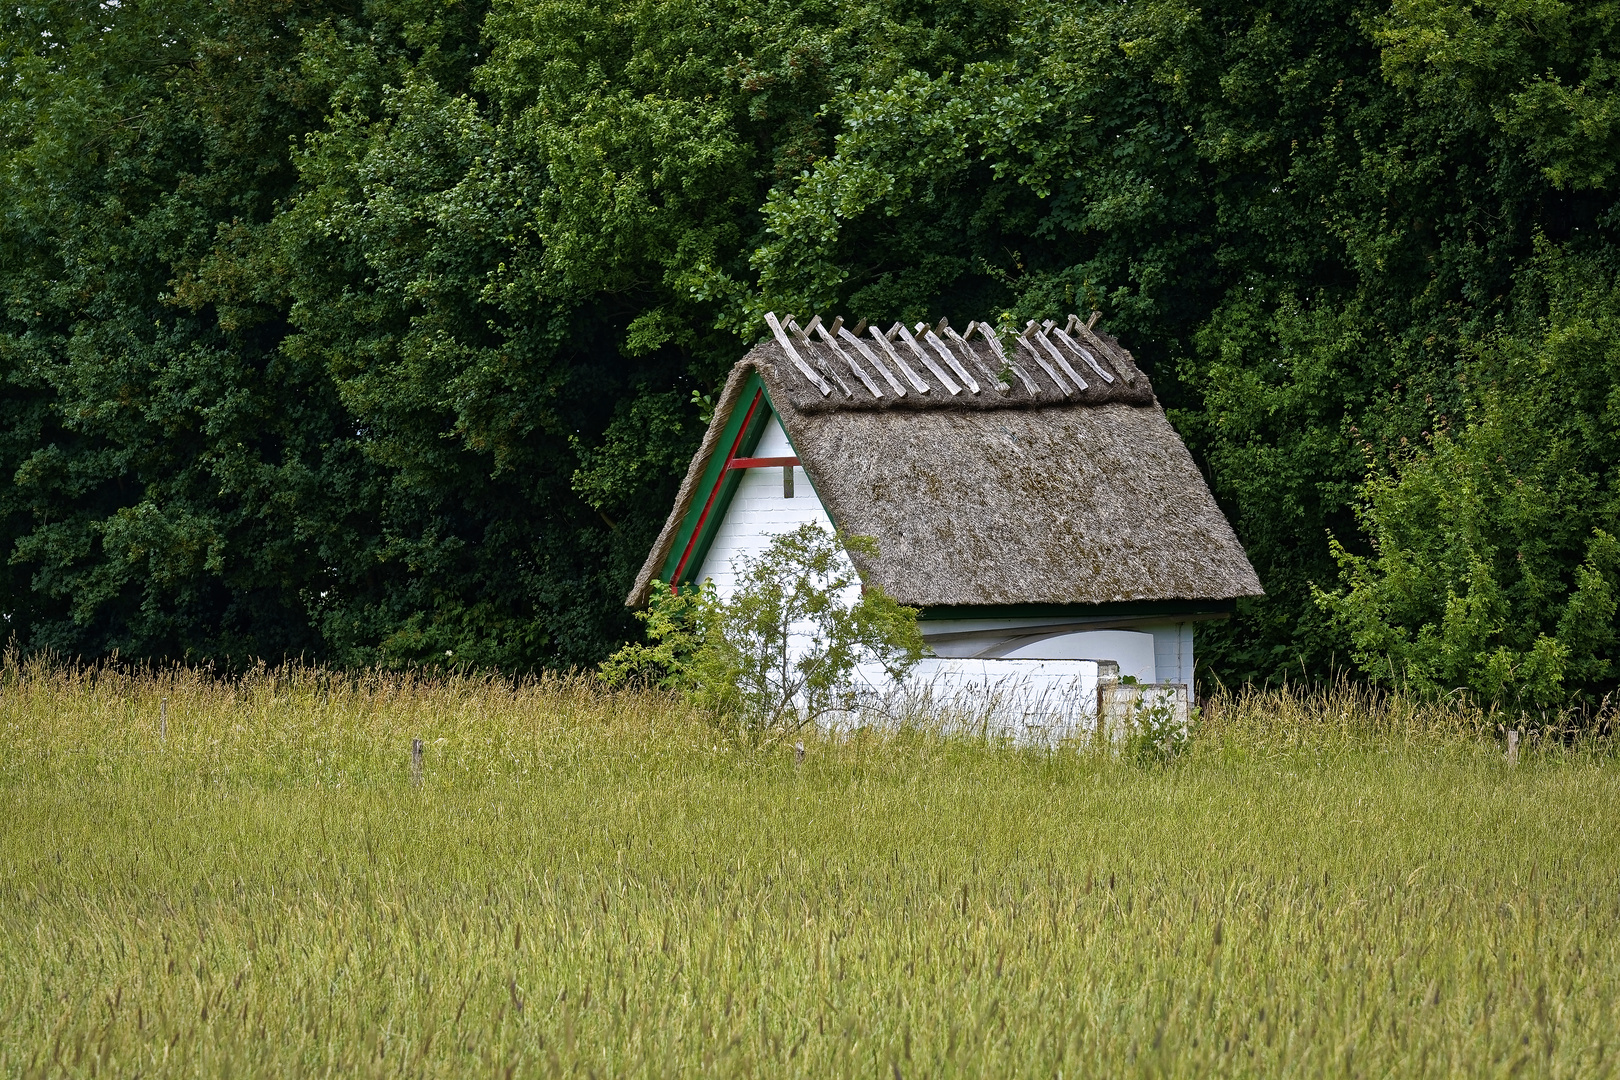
{"x": 207, "y": 877}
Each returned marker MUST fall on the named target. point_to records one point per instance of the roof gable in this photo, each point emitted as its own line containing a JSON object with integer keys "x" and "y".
{"x": 746, "y": 411}
{"x": 740, "y": 420}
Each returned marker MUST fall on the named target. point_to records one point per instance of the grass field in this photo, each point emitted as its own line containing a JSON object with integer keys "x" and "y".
{"x": 598, "y": 885}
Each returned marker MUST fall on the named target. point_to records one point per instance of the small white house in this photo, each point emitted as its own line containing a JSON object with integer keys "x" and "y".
{"x": 1029, "y": 497}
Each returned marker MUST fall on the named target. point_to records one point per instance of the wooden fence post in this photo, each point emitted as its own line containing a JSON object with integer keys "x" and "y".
{"x": 1513, "y": 746}
{"x": 416, "y": 763}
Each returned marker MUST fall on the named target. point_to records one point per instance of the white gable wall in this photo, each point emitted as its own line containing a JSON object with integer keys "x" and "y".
{"x": 758, "y": 512}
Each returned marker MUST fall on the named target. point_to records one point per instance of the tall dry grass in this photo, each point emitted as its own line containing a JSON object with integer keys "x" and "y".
{"x": 1353, "y": 713}
{"x": 590, "y": 883}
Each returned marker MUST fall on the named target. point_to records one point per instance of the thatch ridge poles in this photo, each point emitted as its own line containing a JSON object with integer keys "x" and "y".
{"x": 793, "y": 354}
{"x": 1085, "y": 354}
{"x": 1039, "y": 334}
{"x": 899, "y": 391}
{"x": 821, "y": 349}
{"x": 832, "y": 343}
{"x": 915, "y": 379}
{"x": 928, "y": 361}
{"x": 932, "y": 338}
{"x": 810, "y": 348}
{"x": 1046, "y": 365}
{"x": 1001, "y": 354}
{"x": 1123, "y": 364}
{"x": 1001, "y": 384}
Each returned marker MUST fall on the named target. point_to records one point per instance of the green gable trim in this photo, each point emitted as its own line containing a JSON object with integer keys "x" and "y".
{"x": 738, "y": 438}
{"x": 1203, "y": 609}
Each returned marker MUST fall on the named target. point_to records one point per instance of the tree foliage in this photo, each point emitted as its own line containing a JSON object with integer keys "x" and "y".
{"x": 380, "y": 329}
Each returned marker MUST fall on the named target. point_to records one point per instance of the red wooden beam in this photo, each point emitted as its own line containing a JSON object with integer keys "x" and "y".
{"x": 760, "y": 462}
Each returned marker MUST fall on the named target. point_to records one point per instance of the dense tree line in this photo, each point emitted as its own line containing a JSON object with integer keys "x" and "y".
{"x": 379, "y": 331}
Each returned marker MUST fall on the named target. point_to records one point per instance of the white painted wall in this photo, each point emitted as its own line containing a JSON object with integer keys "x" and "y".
{"x": 1150, "y": 652}
{"x": 758, "y": 512}
{"x": 1132, "y": 650}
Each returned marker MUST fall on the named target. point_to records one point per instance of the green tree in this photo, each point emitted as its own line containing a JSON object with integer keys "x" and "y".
{"x": 518, "y": 285}
{"x": 163, "y": 460}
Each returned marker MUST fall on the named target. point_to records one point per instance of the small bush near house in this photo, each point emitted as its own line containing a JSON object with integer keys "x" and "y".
{"x": 1157, "y": 735}
{"x": 782, "y": 651}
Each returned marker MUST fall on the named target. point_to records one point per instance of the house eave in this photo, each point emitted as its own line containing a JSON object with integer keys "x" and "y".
{"x": 1177, "y": 609}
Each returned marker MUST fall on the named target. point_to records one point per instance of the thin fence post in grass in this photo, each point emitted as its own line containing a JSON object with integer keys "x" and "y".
{"x": 798, "y": 754}
{"x": 416, "y": 763}
{"x": 1513, "y": 746}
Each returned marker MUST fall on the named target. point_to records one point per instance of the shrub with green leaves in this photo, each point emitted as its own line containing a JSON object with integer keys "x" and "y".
{"x": 1496, "y": 566}
{"x": 1157, "y": 734}
{"x": 782, "y": 651}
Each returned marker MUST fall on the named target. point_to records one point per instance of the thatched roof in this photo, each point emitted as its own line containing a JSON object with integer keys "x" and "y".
{"x": 1050, "y": 475}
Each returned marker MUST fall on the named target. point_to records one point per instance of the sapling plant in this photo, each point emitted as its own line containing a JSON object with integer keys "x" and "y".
{"x": 783, "y": 650}
{"x": 678, "y": 622}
